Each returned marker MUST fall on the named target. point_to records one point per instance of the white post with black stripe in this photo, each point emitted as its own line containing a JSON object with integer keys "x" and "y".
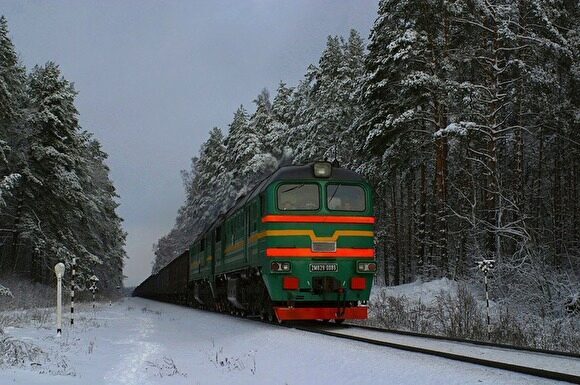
{"x": 485, "y": 266}
{"x": 72, "y": 292}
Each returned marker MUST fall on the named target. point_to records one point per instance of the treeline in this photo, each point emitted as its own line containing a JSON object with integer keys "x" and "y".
{"x": 300, "y": 124}
{"x": 56, "y": 199}
{"x": 464, "y": 115}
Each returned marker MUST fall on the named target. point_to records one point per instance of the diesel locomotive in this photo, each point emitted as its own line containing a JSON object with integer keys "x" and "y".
{"x": 299, "y": 246}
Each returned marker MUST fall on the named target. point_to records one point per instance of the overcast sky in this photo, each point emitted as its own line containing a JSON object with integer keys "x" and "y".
{"x": 155, "y": 76}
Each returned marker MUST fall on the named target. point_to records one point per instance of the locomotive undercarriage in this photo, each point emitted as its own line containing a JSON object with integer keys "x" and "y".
{"x": 243, "y": 293}
{"x": 240, "y": 293}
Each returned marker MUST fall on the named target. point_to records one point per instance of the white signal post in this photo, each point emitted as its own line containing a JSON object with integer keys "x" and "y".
{"x": 59, "y": 271}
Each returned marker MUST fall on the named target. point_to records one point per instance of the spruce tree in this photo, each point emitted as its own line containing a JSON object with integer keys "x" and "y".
{"x": 53, "y": 192}
{"x": 278, "y": 130}
{"x": 12, "y": 104}
{"x": 12, "y": 81}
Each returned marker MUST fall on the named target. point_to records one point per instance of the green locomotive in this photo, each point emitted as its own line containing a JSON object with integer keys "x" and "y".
{"x": 299, "y": 246}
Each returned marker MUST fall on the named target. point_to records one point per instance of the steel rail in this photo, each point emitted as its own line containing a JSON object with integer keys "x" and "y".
{"x": 464, "y": 340}
{"x": 538, "y": 372}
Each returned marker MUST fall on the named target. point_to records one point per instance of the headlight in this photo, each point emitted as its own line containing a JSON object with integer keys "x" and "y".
{"x": 280, "y": 267}
{"x": 366, "y": 267}
{"x": 322, "y": 169}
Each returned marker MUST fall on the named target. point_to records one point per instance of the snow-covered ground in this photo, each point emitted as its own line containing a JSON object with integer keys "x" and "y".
{"x": 138, "y": 341}
{"x": 425, "y": 292}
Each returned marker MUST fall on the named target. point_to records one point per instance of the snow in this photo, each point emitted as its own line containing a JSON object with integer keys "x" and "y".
{"x": 418, "y": 291}
{"x": 461, "y": 129}
{"x": 7, "y": 183}
{"x": 139, "y": 341}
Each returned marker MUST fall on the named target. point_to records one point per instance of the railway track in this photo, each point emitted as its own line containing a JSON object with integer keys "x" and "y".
{"x": 541, "y": 363}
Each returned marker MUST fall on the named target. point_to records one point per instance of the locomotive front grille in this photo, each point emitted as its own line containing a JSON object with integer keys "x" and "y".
{"x": 324, "y": 247}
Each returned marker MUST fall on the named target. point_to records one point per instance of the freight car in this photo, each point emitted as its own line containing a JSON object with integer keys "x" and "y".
{"x": 169, "y": 284}
{"x": 299, "y": 246}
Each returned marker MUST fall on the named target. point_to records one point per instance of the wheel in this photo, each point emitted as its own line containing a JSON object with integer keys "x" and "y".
{"x": 338, "y": 321}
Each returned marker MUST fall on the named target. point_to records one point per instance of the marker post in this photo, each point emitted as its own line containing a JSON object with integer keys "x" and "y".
{"x": 93, "y": 287}
{"x": 72, "y": 292}
{"x": 485, "y": 266}
{"x": 59, "y": 271}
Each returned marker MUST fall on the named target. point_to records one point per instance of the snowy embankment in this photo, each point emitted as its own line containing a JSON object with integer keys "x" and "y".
{"x": 138, "y": 341}
{"x": 436, "y": 307}
{"x": 425, "y": 292}
{"x": 458, "y": 309}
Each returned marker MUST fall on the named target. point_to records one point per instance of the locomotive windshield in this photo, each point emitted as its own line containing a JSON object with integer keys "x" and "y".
{"x": 298, "y": 197}
{"x": 341, "y": 197}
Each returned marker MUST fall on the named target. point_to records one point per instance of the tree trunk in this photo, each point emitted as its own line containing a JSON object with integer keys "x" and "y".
{"x": 410, "y": 226}
{"x": 396, "y": 248}
{"x": 557, "y": 230}
{"x": 422, "y": 218}
{"x": 441, "y": 183}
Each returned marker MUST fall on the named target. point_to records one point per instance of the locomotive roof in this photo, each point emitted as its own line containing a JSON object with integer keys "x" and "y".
{"x": 305, "y": 172}
{"x": 285, "y": 173}
{"x": 294, "y": 172}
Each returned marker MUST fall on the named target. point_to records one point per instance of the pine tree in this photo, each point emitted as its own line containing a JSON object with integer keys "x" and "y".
{"x": 245, "y": 155}
{"x": 12, "y": 103}
{"x": 352, "y": 75}
{"x": 57, "y": 201}
{"x": 100, "y": 231}
{"x": 208, "y": 193}
{"x": 324, "y": 118}
{"x": 404, "y": 102}
{"x": 278, "y": 130}
{"x": 53, "y": 193}
{"x": 302, "y": 104}
{"x": 260, "y": 120}
{"x": 12, "y": 80}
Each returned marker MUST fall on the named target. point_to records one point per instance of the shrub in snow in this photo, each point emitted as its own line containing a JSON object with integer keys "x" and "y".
{"x": 4, "y": 291}
{"x": 163, "y": 368}
{"x": 16, "y": 353}
{"x": 459, "y": 315}
{"x": 446, "y": 308}
{"x": 22, "y": 354}
{"x": 399, "y": 313}
{"x": 573, "y": 304}
{"x": 453, "y": 312}
{"x": 25, "y": 294}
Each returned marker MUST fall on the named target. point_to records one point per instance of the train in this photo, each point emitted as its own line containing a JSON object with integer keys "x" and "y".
{"x": 298, "y": 246}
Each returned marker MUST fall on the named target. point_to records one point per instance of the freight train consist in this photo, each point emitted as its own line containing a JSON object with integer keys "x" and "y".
{"x": 299, "y": 246}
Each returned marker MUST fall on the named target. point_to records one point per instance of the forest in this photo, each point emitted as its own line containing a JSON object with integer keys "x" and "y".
{"x": 464, "y": 115}
{"x": 57, "y": 201}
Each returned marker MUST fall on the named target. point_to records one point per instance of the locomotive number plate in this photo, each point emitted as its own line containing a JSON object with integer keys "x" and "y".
{"x": 320, "y": 267}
